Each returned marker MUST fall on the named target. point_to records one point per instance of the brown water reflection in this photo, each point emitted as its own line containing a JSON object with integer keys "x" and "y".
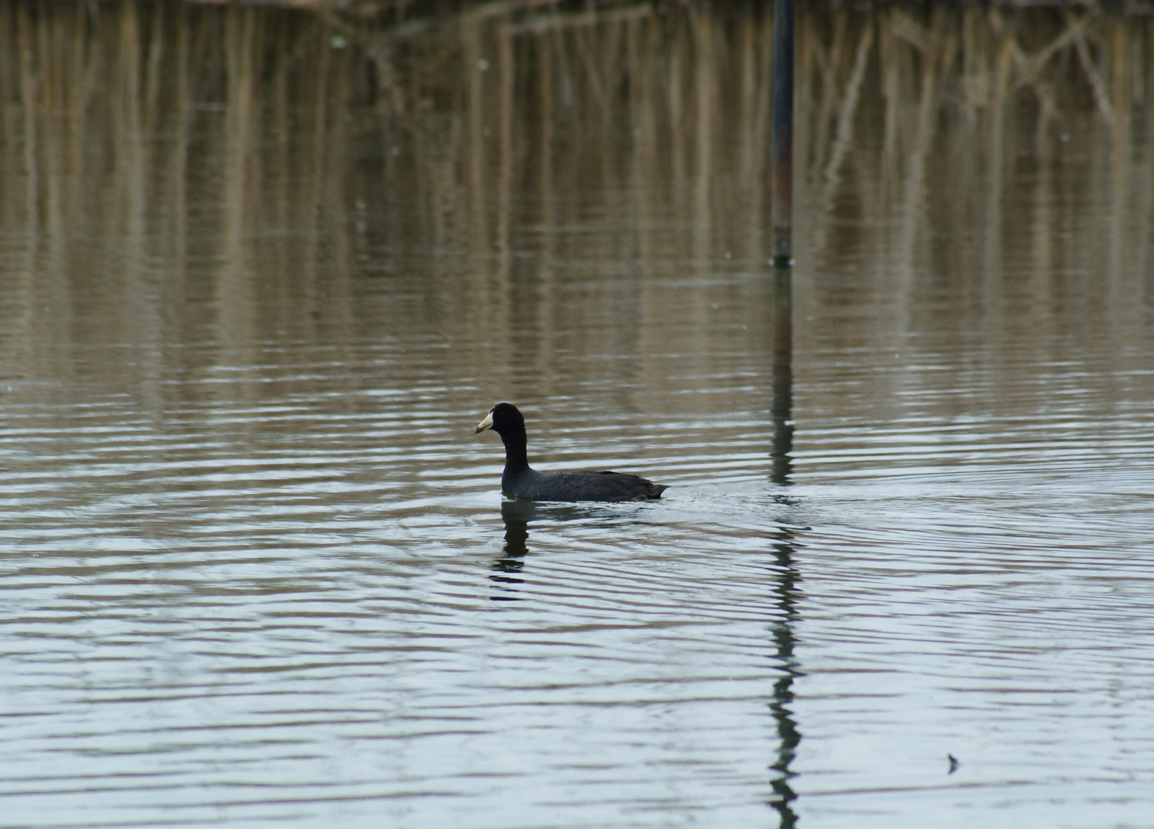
{"x": 264, "y": 269}
{"x": 235, "y": 143}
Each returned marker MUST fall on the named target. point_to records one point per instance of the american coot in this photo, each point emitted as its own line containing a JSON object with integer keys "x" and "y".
{"x": 519, "y": 481}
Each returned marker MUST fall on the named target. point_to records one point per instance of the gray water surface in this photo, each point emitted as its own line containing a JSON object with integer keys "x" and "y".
{"x": 257, "y": 569}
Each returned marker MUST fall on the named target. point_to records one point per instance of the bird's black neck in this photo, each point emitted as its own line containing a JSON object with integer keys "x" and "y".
{"x": 516, "y": 455}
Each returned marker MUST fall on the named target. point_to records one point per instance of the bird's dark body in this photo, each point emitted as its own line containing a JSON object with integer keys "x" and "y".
{"x": 578, "y": 485}
{"x": 519, "y": 480}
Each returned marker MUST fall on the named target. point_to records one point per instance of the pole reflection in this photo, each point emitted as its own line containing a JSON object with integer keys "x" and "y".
{"x": 786, "y": 596}
{"x": 786, "y": 591}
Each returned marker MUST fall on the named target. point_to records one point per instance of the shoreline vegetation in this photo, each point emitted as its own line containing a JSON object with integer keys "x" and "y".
{"x": 175, "y": 125}
{"x": 582, "y": 9}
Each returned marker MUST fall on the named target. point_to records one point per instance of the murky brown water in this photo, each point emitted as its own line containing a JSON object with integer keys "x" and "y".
{"x": 263, "y": 271}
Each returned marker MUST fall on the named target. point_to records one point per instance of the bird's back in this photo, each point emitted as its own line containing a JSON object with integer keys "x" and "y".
{"x": 580, "y": 485}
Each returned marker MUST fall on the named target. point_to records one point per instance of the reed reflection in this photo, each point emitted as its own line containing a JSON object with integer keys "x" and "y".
{"x": 174, "y": 137}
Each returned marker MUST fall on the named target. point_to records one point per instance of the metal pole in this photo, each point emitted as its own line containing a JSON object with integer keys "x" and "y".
{"x": 782, "y": 132}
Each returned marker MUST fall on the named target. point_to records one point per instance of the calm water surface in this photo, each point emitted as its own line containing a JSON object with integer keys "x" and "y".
{"x": 263, "y": 273}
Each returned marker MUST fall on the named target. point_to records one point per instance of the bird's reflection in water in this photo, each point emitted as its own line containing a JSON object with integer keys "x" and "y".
{"x": 508, "y": 566}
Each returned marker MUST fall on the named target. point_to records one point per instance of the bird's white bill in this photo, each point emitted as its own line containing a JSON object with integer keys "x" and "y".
{"x": 487, "y": 423}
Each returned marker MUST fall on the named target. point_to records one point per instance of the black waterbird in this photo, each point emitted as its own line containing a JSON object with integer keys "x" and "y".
{"x": 520, "y": 481}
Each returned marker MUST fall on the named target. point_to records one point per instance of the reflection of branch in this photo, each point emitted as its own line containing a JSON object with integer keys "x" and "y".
{"x": 553, "y": 22}
{"x": 937, "y": 58}
{"x": 829, "y": 72}
{"x": 904, "y": 26}
{"x": 504, "y": 7}
{"x": 1100, "y": 96}
{"x": 843, "y": 137}
{"x": 351, "y": 29}
{"x": 1029, "y": 66}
